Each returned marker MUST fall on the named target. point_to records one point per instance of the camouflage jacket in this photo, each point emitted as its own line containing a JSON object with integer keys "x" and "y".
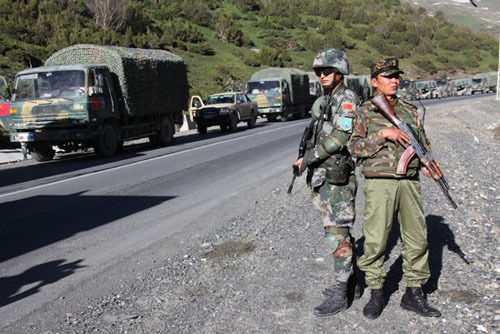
{"x": 379, "y": 157}
{"x": 331, "y": 133}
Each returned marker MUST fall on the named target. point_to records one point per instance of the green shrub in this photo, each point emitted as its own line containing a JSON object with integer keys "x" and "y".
{"x": 425, "y": 64}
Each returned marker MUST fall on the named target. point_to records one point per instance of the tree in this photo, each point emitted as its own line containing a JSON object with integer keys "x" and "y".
{"x": 108, "y": 14}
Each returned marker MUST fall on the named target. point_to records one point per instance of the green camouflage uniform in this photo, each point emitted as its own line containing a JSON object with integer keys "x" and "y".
{"x": 330, "y": 174}
{"x": 387, "y": 193}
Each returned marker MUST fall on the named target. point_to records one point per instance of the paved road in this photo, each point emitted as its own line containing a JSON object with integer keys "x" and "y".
{"x": 66, "y": 222}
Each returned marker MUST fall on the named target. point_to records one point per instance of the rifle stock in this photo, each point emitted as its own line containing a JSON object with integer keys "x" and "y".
{"x": 385, "y": 108}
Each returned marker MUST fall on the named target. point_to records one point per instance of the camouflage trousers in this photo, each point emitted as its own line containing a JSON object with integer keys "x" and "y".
{"x": 336, "y": 204}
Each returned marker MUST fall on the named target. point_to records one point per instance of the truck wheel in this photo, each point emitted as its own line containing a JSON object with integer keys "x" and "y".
{"x": 165, "y": 135}
{"x": 233, "y": 122}
{"x": 202, "y": 128}
{"x": 251, "y": 122}
{"x": 107, "y": 142}
{"x": 42, "y": 152}
{"x": 284, "y": 117}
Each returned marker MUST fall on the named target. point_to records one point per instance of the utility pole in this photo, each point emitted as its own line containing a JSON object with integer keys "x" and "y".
{"x": 498, "y": 72}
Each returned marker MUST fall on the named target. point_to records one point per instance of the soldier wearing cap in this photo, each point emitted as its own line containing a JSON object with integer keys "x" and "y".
{"x": 378, "y": 145}
{"x": 330, "y": 172}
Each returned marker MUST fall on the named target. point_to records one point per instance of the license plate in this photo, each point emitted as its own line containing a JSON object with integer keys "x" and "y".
{"x": 23, "y": 136}
{"x": 208, "y": 116}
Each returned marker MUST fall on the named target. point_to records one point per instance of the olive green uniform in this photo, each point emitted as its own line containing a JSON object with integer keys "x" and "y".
{"x": 387, "y": 193}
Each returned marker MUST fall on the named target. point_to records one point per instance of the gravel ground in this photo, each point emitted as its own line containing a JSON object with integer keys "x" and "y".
{"x": 263, "y": 271}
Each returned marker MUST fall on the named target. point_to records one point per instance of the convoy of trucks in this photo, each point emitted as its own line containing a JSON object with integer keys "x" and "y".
{"x": 101, "y": 96}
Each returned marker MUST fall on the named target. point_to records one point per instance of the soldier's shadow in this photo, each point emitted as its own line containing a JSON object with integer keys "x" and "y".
{"x": 31, "y": 281}
{"x": 439, "y": 236}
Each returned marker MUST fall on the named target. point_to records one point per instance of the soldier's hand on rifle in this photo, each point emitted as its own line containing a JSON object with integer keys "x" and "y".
{"x": 433, "y": 176}
{"x": 298, "y": 163}
{"x": 396, "y": 136}
{"x": 426, "y": 172}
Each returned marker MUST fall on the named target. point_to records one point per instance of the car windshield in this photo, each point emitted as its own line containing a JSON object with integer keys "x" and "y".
{"x": 262, "y": 87}
{"x": 223, "y": 98}
{"x": 49, "y": 84}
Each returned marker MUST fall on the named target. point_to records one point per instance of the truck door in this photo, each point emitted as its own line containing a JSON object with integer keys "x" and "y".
{"x": 195, "y": 104}
{"x": 110, "y": 87}
{"x": 103, "y": 101}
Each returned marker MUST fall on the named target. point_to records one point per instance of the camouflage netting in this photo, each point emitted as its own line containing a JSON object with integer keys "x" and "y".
{"x": 297, "y": 80}
{"x": 152, "y": 80}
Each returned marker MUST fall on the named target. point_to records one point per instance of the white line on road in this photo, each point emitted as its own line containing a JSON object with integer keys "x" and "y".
{"x": 143, "y": 161}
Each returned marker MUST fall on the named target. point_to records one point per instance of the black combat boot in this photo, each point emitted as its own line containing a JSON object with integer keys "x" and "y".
{"x": 414, "y": 300}
{"x": 335, "y": 302}
{"x": 358, "y": 290}
{"x": 375, "y": 306}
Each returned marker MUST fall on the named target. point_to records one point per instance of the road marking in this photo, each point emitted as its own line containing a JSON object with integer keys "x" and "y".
{"x": 144, "y": 161}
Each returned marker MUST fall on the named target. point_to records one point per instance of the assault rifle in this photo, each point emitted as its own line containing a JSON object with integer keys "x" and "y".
{"x": 416, "y": 147}
{"x": 306, "y": 136}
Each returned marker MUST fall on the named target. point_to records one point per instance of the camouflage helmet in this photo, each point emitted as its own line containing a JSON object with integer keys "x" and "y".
{"x": 332, "y": 58}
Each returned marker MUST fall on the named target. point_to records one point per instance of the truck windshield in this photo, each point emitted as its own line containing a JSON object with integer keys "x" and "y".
{"x": 477, "y": 80}
{"x": 404, "y": 85}
{"x": 262, "y": 87}
{"x": 223, "y": 98}
{"x": 49, "y": 84}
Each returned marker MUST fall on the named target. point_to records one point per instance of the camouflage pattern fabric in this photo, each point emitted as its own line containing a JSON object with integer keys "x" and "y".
{"x": 336, "y": 204}
{"x": 342, "y": 255}
{"x": 344, "y": 104}
{"x": 332, "y": 58}
{"x": 378, "y": 157}
{"x": 385, "y": 67}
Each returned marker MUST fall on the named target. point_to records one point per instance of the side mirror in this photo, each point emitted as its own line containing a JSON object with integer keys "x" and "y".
{"x": 196, "y": 104}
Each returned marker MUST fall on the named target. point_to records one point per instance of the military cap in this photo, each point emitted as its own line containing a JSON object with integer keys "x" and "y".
{"x": 385, "y": 67}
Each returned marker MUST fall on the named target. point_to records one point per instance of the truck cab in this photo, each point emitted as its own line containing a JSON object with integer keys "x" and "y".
{"x": 272, "y": 96}
{"x": 4, "y": 113}
{"x": 62, "y": 105}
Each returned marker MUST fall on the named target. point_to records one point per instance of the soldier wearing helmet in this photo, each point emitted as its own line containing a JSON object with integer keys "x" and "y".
{"x": 330, "y": 173}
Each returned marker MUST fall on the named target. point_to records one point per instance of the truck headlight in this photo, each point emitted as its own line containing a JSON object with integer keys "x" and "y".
{"x": 223, "y": 111}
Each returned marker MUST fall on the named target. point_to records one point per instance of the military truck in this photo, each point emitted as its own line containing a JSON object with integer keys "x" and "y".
{"x": 491, "y": 79}
{"x": 4, "y": 113}
{"x": 315, "y": 89}
{"x": 225, "y": 110}
{"x": 407, "y": 90}
{"x": 462, "y": 86}
{"x": 478, "y": 85}
{"x": 426, "y": 89}
{"x": 280, "y": 92}
{"x": 444, "y": 87}
{"x": 360, "y": 84}
{"x": 98, "y": 96}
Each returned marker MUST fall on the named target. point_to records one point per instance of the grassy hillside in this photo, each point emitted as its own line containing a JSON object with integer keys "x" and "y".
{"x": 484, "y": 17}
{"x": 218, "y": 38}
